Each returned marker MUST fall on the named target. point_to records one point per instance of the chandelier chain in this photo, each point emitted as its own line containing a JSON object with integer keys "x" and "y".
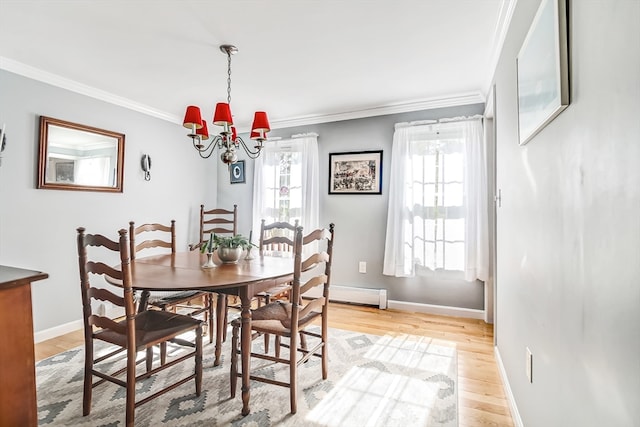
{"x": 229, "y": 77}
{"x": 227, "y": 140}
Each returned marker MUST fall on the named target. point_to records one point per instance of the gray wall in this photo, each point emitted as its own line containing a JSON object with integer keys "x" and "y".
{"x": 361, "y": 219}
{"x": 568, "y": 260}
{"x": 38, "y": 227}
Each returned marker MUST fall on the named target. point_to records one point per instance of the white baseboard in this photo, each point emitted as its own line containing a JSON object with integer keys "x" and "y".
{"x": 437, "y": 309}
{"x": 507, "y": 390}
{"x": 398, "y": 305}
{"x": 56, "y": 331}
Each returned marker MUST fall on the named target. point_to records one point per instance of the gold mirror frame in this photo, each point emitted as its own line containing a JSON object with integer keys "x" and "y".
{"x": 67, "y": 149}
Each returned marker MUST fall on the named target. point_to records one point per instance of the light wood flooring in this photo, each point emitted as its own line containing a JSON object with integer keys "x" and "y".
{"x": 481, "y": 398}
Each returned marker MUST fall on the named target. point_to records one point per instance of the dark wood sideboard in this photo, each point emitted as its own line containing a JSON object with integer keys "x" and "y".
{"x": 18, "y": 402}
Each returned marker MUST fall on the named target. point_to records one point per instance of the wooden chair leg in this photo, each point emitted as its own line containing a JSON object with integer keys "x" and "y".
{"x": 198, "y": 360}
{"x": 233, "y": 380}
{"x": 293, "y": 374}
{"x": 325, "y": 369}
{"x": 267, "y": 300}
{"x": 221, "y": 325}
{"x": 163, "y": 353}
{"x": 221, "y": 310}
{"x": 88, "y": 378}
{"x": 149, "y": 359}
{"x": 211, "y": 320}
{"x": 131, "y": 387}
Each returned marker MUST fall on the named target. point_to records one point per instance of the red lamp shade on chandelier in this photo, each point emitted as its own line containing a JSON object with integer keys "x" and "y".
{"x": 193, "y": 119}
{"x": 227, "y": 140}
{"x": 222, "y": 116}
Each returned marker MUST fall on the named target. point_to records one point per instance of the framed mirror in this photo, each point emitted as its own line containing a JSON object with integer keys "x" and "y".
{"x": 78, "y": 157}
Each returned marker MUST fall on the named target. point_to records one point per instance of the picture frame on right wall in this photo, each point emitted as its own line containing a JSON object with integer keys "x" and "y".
{"x": 543, "y": 70}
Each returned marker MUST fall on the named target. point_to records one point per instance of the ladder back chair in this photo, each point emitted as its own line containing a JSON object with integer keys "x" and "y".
{"x": 220, "y": 222}
{"x": 276, "y": 239}
{"x": 136, "y": 332}
{"x": 290, "y": 318}
{"x": 164, "y": 236}
{"x": 217, "y": 221}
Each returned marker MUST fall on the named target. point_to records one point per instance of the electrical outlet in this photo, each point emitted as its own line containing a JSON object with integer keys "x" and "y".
{"x": 362, "y": 267}
{"x": 529, "y": 365}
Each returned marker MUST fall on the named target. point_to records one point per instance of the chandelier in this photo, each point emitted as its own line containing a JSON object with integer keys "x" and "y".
{"x": 227, "y": 140}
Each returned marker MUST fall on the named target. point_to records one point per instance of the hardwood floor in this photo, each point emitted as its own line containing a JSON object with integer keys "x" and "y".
{"x": 481, "y": 398}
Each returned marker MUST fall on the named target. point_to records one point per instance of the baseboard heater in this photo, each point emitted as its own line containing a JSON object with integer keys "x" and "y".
{"x": 354, "y": 295}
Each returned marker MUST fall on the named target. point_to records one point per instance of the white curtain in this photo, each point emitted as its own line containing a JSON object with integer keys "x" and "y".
{"x": 303, "y": 190}
{"x": 409, "y": 142}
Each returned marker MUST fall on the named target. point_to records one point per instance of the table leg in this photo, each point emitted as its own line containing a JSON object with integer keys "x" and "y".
{"x": 221, "y": 325}
{"x": 245, "y": 345}
{"x": 142, "y": 304}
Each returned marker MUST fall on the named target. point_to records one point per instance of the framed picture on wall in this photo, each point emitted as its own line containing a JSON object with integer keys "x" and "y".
{"x": 543, "y": 72}
{"x": 358, "y": 172}
{"x": 236, "y": 172}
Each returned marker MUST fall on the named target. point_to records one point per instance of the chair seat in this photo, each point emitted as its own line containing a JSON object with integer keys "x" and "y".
{"x": 151, "y": 328}
{"x": 161, "y": 299}
{"x": 276, "y": 290}
{"x": 275, "y": 318}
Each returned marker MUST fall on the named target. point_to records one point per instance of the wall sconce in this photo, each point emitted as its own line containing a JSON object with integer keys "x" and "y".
{"x": 3, "y": 142}
{"x": 145, "y": 164}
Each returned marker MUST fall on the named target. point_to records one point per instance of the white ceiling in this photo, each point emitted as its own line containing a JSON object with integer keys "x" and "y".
{"x": 302, "y": 61}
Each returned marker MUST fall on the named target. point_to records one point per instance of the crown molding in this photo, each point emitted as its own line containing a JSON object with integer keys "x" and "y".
{"x": 403, "y": 107}
{"x": 499, "y": 36}
{"x": 64, "y": 83}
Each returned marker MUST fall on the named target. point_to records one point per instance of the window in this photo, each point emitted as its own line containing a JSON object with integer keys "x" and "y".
{"x": 437, "y": 218}
{"x": 437, "y": 196}
{"x": 286, "y": 182}
{"x": 282, "y": 186}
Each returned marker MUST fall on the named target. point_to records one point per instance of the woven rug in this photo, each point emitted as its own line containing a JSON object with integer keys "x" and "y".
{"x": 373, "y": 381}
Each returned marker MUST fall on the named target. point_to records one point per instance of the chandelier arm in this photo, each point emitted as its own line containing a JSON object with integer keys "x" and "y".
{"x": 205, "y": 152}
{"x": 252, "y": 154}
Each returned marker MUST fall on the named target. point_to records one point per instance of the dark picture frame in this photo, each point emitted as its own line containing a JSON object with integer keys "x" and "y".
{"x": 236, "y": 172}
{"x": 356, "y": 172}
{"x": 543, "y": 70}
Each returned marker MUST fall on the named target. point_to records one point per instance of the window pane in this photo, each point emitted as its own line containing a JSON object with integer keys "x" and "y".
{"x": 454, "y": 167}
{"x": 454, "y": 259}
{"x": 453, "y": 194}
{"x": 454, "y": 229}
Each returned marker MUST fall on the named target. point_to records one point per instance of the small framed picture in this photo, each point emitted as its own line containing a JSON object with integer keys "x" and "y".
{"x": 236, "y": 172}
{"x": 355, "y": 172}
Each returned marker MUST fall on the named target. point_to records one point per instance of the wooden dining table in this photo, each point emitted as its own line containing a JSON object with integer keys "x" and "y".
{"x": 183, "y": 271}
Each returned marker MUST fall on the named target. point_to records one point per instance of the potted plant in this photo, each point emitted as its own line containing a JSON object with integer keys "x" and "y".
{"x": 229, "y": 248}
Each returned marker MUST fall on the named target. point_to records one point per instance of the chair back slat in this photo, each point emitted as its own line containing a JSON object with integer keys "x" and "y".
{"x": 225, "y": 221}
{"x": 105, "y": 295}
{"x": 313, "y": 282}
{"x": 106, "y": 323}
{"x": 314, "y": 259}
{"x": 157, "y": 236}
{"x": 101, "y": 268}
{"x": 277, "y": 238}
